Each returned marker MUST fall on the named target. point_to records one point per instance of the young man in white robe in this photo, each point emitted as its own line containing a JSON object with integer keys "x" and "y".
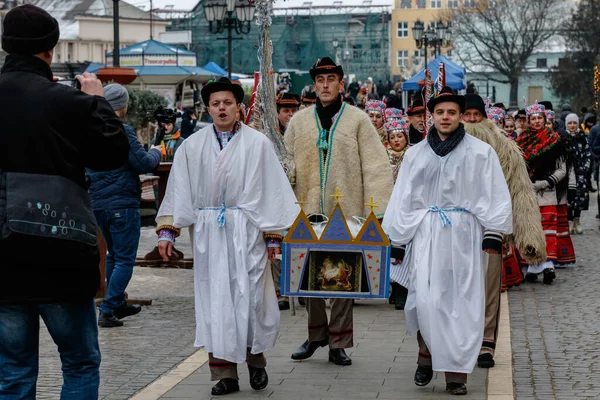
{"x": 450, "y": 207}
{"x": 228, "y": 187}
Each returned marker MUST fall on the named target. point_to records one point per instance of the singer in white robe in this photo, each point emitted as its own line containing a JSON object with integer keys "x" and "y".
{"x": 444, "y": 257}
{"x": 229, "y": 198}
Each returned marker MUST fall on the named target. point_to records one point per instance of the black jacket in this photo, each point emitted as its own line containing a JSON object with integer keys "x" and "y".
{"x": 51, "y": 129}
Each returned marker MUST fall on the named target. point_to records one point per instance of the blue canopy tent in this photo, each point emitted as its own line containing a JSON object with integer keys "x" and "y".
{"x": 216, "y": 68}
{"x": 455, "y": 75}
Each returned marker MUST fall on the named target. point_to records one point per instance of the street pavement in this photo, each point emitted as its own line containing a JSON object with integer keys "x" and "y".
{"x": 555, "y": 329}
{"x": 555, "y": 343}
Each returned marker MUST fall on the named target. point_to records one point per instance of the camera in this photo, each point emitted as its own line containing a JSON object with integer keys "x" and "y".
{"x": 74, "y": 83}
{"x": 166, "y": 115}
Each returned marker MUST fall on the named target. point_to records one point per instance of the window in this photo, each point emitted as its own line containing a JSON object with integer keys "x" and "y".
{"x": 402, "y": 30}
{"x": 405, "y": 3}
{"x": 449, "y": 52}
{"x": 70, "y": 55}
{"x": 452, "y": 3}
{"x": 469, "y": 3}
{"x": 420, "y": 3}
{"x": 541, "y": 63}
{"x": 419, "y": 53}
{"x": 436, "y": 3}
{"x": 402, "y": 58}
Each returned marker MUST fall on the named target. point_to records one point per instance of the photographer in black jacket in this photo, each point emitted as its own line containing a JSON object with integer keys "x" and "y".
{"x": 50, "y": 133}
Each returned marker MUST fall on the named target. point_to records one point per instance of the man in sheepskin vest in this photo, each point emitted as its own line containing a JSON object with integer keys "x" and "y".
{"x": 528, "y": 237}
{"x": 334, "y": 145}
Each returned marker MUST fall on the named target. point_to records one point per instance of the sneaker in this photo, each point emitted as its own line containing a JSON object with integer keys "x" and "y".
{"x": 108, "y": 320}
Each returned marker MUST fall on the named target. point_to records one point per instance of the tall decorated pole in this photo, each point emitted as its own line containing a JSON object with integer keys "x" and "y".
{"x": 428, "y": 95}
{"x": 441, "y": 79}
{"x": 264, "y": 108}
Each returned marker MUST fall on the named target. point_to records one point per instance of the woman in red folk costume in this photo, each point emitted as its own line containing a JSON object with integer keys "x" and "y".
{"x": 375, "y": 110}
{"x": 397, "y": 136}
{"x": 546, "y": 157}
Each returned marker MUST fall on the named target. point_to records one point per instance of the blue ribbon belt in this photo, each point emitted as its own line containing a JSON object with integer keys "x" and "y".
{"x": 222, "y": 212}
{"x": 442, "y": 213}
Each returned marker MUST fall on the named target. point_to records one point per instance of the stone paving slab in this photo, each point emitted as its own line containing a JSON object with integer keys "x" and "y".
{"x": 384, "y": 362}
{"x": 555, "y": 329}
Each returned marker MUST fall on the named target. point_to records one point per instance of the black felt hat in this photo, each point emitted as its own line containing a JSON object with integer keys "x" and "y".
{"x": 447, "y": 95}
{"x": 288, "y": 100}
{"x": 222, "y": 85}
{"x": 474, "y": 101}
{"x": 417, "y": 106}
{"x": 521, "y": 114}
{"x": 500, "y": 105}
{"x": 29, "y": 29}
{"x": 547, "y": 105}
{"x": 326, "y": 65}
{"x": 309, "y": 98}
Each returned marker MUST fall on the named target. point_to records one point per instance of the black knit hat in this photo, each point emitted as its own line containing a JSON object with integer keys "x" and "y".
{"x": 222, "y": 85}
{"x": 548, "y": 105}
{"x": 326, "y": 65}
{"x": 474, "y": 101}
{"x": 29, "y": 29}
{"x": 447, "y": 95}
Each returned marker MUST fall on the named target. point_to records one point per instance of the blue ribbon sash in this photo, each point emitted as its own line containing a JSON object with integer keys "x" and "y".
{"x": 442, "y": 213}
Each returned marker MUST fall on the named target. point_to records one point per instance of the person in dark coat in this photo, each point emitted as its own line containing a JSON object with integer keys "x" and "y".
{"x": 51, "y": 131}
{"x": 393, "y": 100}
{"x": 116, "y": 201}
{"x": 188, "y": 123}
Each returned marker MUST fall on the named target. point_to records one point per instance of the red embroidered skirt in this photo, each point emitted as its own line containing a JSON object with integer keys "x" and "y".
{"x": 565, "y": 252}
{"x": 511, "y": 270}
{"x": 550, "y": 224}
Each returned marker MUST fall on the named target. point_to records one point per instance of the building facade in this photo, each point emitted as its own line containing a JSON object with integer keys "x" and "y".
{"x": 355, "y": 32}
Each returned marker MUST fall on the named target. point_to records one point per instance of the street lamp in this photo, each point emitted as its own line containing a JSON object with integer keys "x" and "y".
{"x": 231, "y": 15}
{"x": 435, "y": 38}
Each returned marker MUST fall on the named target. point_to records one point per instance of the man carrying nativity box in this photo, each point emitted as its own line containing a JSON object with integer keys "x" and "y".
{"x": 450, "y": 207}
{"x": 334, "y": 145}
{"x": 222, "y": 188}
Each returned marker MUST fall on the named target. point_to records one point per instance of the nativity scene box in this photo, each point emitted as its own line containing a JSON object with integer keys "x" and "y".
{"x": 336, "y": 264}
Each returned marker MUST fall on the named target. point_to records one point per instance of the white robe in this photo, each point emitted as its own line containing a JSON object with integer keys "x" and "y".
{"x": 236, "y": 304}
{"x": 447, "y": 266}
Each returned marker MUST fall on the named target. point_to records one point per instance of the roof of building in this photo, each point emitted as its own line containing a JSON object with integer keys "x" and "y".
{"x": 66, "y": 11}
{"x": 153, "y": 47}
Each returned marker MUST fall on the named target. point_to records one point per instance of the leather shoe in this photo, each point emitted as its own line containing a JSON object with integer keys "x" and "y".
{"x": 485, "y": 361}
{"x": 456, "y": 389}
{"x": 284, "y": 305}
{"x": 423, "y": 375}
{"x": 307, "y": 349}
{"x": 108, "y": 321}
{"x": 339, "y": 357}
{"x": 127, "y": 310}
{"x": 258, "y": 378}
{"x": 225, "y": 386}
{"x": 401, "y": 297}
{"x": 549, "y": 276}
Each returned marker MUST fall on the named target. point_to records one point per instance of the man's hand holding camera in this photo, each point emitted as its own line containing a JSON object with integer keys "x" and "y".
{"x": 90, "y": 84}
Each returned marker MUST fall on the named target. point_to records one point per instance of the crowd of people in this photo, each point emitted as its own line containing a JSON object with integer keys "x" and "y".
{"x": 477, "y": 201}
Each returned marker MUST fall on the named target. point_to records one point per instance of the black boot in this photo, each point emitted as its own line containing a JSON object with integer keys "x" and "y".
{"x": 456, "y": 389}
{"x": 531, "y": 278}
{"x": 284, "y": 304}
{"x": 339, "y": 357}
{"x": 258, "y": 378}
{"x": 108, "y": 320}
{"x": 423, "y": 375}
{"x": 127, "y": 310}
{"x": 307, "y": 349}
{"x": 401, "y": 296}
{"x": 225, "y": 386}
{"x": 549, "y": 276}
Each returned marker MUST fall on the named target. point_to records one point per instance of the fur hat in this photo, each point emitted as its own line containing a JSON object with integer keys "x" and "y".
{"x": 447, "y": 95}
{"x": 326, "y": 65}
{"x": 29, "y": 29}
{"x": 222, "y": 85}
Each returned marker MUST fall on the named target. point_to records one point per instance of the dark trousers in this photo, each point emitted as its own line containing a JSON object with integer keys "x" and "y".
{"x": 121, "y": 231}
{"x": 338, "y": 329}
{"x": 73, "y": 329}
{"x": 425, "y": 361}
{"x": 221, "y": 369}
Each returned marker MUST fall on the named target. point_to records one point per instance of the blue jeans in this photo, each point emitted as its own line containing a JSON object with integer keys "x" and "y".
{"x": 73, "y": 328}
{"x": 121, "y": 231}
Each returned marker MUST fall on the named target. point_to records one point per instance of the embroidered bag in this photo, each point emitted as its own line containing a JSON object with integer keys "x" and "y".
{"x": 45, "y": 205}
